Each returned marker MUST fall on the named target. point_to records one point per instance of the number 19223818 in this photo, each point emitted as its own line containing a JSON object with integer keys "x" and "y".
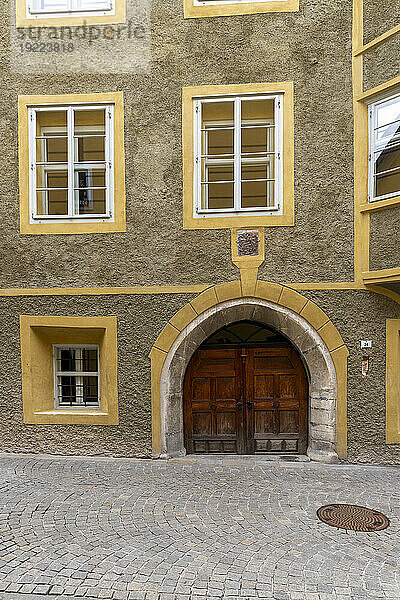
{"x": 46, "y": 47}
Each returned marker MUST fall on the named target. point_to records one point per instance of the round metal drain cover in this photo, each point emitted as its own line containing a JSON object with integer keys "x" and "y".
{"x": 353, "y": 518}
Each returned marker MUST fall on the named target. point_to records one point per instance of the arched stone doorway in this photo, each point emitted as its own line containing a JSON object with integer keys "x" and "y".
{"x": 322, "y": 440}
{"x": 246, "y": 392}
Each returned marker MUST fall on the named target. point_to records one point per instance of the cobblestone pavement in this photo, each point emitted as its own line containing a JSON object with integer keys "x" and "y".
{"x": 192, "y": 529}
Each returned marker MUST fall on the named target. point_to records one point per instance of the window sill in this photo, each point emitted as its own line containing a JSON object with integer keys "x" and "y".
{"x": 380, "y": 204}
{"x": 73, "y": 417}
{"x": 221, "y": 9}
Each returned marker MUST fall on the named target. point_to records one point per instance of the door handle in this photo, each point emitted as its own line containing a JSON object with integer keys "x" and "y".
{"x": 239, "y": 405}
{"x": 250, "y": 404}
{"x": 213, "y": 406}
{"x": 276, "y": 404}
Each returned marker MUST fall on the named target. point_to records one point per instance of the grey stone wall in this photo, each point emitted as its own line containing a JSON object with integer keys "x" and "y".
{"x": 385, "y": 239}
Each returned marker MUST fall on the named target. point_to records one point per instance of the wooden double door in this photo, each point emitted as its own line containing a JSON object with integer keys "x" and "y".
{"x": 245, "y": 401}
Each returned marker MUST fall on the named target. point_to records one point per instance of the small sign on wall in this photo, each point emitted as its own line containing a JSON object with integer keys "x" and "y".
{"x": 366, "y": 343}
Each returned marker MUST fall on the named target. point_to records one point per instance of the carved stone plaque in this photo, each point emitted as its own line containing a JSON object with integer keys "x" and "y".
{"x": 248, "y": 242}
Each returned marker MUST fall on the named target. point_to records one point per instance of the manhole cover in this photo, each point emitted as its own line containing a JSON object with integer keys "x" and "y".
{"x": 354, "y": 518}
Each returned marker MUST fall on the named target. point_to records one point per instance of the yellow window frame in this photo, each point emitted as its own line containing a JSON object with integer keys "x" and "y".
{"x": 393, "y": 381}
{"x": 229, "y": 222}
{"x": 119, "y": 222}
{"x": 38, "y": 335}
{"x": 220, "y": 9}
{"x": 119, "y": 16}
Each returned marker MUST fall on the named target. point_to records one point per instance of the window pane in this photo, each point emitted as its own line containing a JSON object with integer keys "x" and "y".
{"x": 49, "y": 5}
{"x": 258, "y": 110}
{"x": 88, "y": 178}
{"x": 217, "y": 195}
{"x": 90, "y": 148}
{"x": 258, "y": 139}
{"x": 256, "y": 194}
{"x": 89, "y": 359}
{"x": 388, "y": 112}
{"x": 387, "y": 184}
{"x": 258, "y": 170}
{"x": 52, "y": 149}
{"x": 66, "y": 359}
{"x": 51, "y": 122}
{"x": 216, "y": 117}
{"x": 50, "y": 177}
{"x": 90, "y": 391}
{"x": 90, "y": 202}
{"x": 89, "y": 121}
{"x": 216, "y": 172}
{"x": 91, "y": 4}
{"x": 66, "y": 390}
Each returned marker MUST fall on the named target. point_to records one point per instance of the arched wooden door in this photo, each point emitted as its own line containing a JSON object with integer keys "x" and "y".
{"x": 245, "y": 398}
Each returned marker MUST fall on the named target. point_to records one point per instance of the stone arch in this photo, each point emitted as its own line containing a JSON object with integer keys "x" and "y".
{"x": 308, "y": 328}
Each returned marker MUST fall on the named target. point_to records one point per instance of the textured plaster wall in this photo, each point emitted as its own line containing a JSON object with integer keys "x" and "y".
{"x": 385, "y": 239}
{"x": 379, "y": 16}
{"x": 155, "y": 249}
{"x": 357, "y": 315}
{"x": 140, "y": 321}
{"x": 361, "y": 315}
{"x": 382, "y": 63}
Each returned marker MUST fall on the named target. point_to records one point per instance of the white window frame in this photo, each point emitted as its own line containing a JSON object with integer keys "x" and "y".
{"x": 72, "y": 216}
{"x": 78, "y": 374}
{"x": 372, "y": 147}
{"x": 71, "y": 8}
{"x": 277, "y": 209}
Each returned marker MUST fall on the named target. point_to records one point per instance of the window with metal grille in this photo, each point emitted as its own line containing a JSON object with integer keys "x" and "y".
{"x": 71, "y": 163}
{"x": 238, "y": 155}
{"x": 76, "y": 376}
{"x": 57, "y": 8}
{"x": 384, "y": 149}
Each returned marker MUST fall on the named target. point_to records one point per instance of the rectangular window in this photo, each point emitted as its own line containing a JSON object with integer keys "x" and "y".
{"x": 384, "y": 149}
{"x": 59, "y": 8}
{"x": 71, "y": 163}
{"x": 238, "y": 155}
{"x": 76, "y": 376}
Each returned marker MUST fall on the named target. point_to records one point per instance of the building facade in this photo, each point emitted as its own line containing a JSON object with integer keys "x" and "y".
{"x": 201, "y": 249}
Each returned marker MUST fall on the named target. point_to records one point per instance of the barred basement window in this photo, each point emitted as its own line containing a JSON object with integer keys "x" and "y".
{"x": 61, "y": 8}
{"x": 76, "y": 376}
{"x": 71, "y": 163}
{"x": 384, "y": 149}
{"x": 238, "y": 155}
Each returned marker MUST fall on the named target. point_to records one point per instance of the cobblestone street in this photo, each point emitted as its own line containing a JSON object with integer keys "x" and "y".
{"x": 193, "y": 528}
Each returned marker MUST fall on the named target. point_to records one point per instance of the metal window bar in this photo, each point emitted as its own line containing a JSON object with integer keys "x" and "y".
{"x": 71, "y": 387}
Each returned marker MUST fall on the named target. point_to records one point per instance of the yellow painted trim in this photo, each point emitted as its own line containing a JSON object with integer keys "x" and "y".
{"x": 377, "y": 41}
{"x": 380, "y": 204}
{"x": 393, "y": 381}
{"x": 325, "y": 285}
{"x": 273, "y": 292}
{"x": 382, "y": 276}
{"x": 106, "y": 291}
{"x": 119, "y": 224}
{"x": 38, "y": 333}
{"x": 248, "y": 265}
{"x": 287, "y": 218}
{"x": 23, "y": 21}
{"x": 379, "y": 89}
{"x": 228, "y": 9}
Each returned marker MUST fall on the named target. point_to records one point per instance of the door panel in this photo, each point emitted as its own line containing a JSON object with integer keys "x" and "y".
{"x": 245, "y": 401}
{"x": 277, "y": 394}
{"x": 213, "y": 422}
